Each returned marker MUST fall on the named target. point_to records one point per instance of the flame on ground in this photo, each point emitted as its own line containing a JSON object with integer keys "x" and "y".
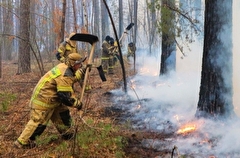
{"x": 187, "y": 129}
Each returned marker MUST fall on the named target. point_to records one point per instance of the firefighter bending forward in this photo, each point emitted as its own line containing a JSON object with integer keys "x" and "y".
{"x": 50, "y": 101}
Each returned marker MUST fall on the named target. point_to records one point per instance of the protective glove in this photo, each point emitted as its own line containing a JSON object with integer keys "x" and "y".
{"x": 77, "y": 104}
{"x": 88, "y": 88}
{"x": 110, "y": 53}
{"x": 79, "y": 74}
{"x": 89, "y": 66}
{"x": 62, "y": 59}
{"x": 111, "y": 48}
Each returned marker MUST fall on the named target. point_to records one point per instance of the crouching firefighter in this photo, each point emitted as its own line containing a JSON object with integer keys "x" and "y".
{"x": 50, "y": 100}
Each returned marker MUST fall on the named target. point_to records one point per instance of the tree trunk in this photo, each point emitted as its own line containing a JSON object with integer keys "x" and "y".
{"x": 74, "y": 16}
{"x": 120, "y": 18}
{"x": 85, "y": 19}
{"x": 24, "y": 62}
{"x": 135, "y": 21}
{"x": 105, "y": 21}
{"x": 96, "y": 28}
{"x": 64, "y": 3}
{"x": 135, "y": 29}
{"x": 168, "y": 56}
{"x": 8, "y": 40}
{"x": 215, "y": 97}
{"x": 152, "y": 28}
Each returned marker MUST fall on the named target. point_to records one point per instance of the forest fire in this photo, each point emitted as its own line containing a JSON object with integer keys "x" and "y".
{"x": 188, "y": 128}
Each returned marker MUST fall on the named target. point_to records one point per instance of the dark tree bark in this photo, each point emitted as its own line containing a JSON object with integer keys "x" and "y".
{"x": 24, "y": 62}
{"x": 215, "y": 97}
{"x": 168, "y": 56}
{"x": 64, "y": 5}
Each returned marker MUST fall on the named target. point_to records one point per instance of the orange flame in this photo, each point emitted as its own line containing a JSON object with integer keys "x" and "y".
{"x": 187, "y": 129}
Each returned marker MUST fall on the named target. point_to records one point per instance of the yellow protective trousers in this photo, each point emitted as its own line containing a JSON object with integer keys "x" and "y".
{"x": 108, "y": 64}
{"x": 39, "y": 119}
{"x": 105, "y": 63}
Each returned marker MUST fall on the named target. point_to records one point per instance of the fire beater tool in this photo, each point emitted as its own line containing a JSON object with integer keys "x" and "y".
{"x": 92, "y": 39}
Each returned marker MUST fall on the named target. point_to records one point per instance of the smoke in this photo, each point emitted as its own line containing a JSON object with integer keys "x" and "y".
{"x": 165, "y": 104}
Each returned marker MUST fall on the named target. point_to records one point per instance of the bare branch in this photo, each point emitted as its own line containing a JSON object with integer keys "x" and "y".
{"x": 182, "y": 14}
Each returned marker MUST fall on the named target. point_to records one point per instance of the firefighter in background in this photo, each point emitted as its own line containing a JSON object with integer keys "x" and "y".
{"x": 106, "y": 54}
{"x": 66, "y": 47}
{"x": 50, "y": 101}
{"x": 115, "y": 52}
{"x": 111, "y": 62}
{"x": 131, "y": 50}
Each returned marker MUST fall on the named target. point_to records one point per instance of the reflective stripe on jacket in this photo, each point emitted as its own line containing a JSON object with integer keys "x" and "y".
{"x": 65, "y": 49}
{"x": 105, "y": 49}
{"x": 59, "y": 78}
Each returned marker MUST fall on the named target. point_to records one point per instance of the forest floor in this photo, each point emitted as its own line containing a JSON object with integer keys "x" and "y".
{"x": 98, "y": 100}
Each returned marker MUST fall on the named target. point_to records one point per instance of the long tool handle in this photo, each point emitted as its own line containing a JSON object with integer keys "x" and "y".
{"x": 87, "y": 70}
{"x": 126, "y": 31}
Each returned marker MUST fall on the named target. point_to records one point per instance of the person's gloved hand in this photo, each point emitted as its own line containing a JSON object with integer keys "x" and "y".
{"x": 79, "y": 74}
{"x": 62, "y": 59}
{"x": 89, "y": 66}
{"x": 77, "y": 104}
{"x": 110, "y": 52}
{"x": 111, "y": 48}
{"x": 88, "y": 88}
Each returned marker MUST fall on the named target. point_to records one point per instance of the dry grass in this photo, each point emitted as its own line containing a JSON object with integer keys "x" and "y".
{"x": 15, "y": 117}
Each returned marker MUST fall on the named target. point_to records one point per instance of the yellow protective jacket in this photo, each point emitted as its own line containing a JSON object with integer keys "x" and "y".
{"x": 132, "y": 49}
{"x": 66, "y": 48}
{"x": 60, "y": 78}
{"x": 105, "y": 50}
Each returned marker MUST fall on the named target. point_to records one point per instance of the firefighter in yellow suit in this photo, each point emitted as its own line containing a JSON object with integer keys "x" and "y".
{"x": 105, "y": 54}
{"x": 131, "y": 50}
{"x": 111, "y": 56}
{"x": 50, "y": 101}
{"x": 66, "y": 47}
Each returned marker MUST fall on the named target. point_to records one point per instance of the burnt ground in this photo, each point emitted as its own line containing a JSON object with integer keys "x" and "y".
{"x": 98, "y": 103}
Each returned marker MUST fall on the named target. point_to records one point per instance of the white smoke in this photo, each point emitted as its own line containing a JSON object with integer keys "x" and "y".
{"x": 174, "y": 100}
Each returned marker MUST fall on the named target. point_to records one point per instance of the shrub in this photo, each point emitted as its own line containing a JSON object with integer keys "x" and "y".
{"x": 5, "y": 100}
